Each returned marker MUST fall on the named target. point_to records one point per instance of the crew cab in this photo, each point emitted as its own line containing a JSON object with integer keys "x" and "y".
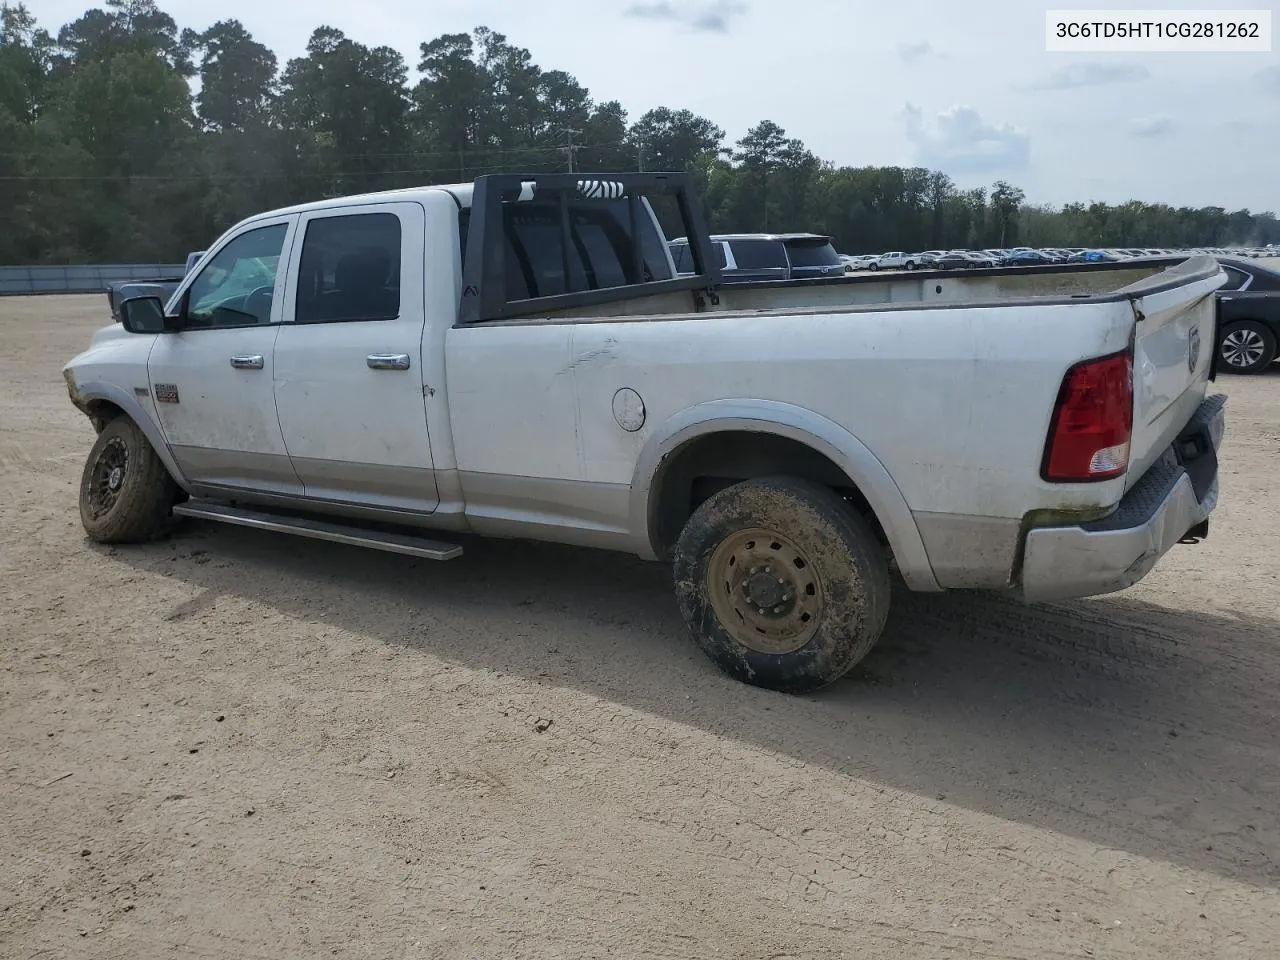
{"x": 519, "y": 358}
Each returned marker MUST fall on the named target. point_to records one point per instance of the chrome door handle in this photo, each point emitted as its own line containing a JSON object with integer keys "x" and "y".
{"x": 247, "y": 363}
{"x": 388, "y": 361}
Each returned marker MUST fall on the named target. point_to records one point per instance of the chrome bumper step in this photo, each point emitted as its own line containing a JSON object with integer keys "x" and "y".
{"x": 316, "y": 529}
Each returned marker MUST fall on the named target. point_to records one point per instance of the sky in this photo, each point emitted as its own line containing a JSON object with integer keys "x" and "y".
{"x": 964, "y": 87}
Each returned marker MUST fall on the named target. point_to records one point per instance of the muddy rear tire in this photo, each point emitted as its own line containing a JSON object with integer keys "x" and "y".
{"x": 782, "y": 583}
{"x": 126, "y": 494}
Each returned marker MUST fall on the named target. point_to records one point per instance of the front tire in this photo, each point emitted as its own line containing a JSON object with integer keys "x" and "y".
{"x": 782, "y": 584}
{"x": 126, "y": 494}
{"x": 1246, "y": 347}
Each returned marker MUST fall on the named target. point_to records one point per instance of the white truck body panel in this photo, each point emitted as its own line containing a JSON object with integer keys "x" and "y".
{"x": 356, "y": 433}
{"x": 933, "y": 395}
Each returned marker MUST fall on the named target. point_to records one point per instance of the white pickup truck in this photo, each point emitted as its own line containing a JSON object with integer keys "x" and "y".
{"x": 895, "y": 260}
{"x": 518, "y": 358}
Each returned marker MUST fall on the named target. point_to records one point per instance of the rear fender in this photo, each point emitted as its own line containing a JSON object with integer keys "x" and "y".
{"x": 804, "y": 426}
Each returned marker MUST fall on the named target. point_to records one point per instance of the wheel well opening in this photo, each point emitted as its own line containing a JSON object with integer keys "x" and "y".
{"x": 706, "y": 465}
{"x": 101, "y": 412}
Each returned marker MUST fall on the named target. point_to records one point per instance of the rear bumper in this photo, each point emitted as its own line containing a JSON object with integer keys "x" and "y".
{"x": 1174, "y": 497}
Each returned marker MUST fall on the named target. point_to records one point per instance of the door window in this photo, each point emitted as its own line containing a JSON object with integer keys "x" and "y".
{"x": 235, "y": 288}
{"x": 350, "y": 269}
{"x": 1236, "y": 279}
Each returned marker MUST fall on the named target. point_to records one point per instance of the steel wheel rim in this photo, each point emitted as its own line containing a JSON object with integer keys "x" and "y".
{"x": 106, "y": 480}
{"x": 1243, "y": 348}
{"x": 765, "y": 591}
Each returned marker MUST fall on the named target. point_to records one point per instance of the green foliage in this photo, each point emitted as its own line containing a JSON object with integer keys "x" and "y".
{"x": 106, "y": 154}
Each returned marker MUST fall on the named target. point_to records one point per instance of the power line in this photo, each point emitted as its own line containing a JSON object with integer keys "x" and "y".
{"x": 510, "y": 156}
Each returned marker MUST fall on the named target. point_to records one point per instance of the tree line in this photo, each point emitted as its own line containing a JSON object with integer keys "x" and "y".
{"x": 107, "y": 154}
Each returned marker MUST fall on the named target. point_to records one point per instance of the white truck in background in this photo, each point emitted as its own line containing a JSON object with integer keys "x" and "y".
{"x": 518, "y": 358}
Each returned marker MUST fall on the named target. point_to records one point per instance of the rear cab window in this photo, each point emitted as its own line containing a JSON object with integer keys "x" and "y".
{"x": 601, "y": 250}
{"x": 548, "y": 243}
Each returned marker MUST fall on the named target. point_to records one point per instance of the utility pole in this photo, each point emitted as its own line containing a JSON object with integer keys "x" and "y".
{"x": 570, "y": 149}
{"x": 640, "y": 156}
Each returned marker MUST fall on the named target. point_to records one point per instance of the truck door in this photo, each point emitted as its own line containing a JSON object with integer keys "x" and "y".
{"x": 212, "y": 380}
{"x": 348, "y": 372}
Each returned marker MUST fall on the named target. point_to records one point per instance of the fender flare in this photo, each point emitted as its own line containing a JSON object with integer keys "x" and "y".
{"x": 797, "y": 423}
{"x": 92, "y": 390}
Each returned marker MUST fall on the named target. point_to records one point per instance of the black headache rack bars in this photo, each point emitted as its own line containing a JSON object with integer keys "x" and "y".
{"x": 484, "y": 293}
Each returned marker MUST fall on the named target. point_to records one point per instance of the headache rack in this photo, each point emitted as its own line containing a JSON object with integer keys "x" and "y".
{"x": 484, "y": 288}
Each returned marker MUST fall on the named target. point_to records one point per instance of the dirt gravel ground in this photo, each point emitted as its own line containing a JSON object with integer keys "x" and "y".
{"x": 241, "y": 745}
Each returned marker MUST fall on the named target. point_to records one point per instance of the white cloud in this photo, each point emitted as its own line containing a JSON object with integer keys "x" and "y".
{"x": 1151, "y": 126}
{"x": 958, "y": 140}
{"x": 713, "y": 17}
{"x": 1092, "y": 74}
{"x": 911, "y": 52}
{"x": 1270, "y": 77}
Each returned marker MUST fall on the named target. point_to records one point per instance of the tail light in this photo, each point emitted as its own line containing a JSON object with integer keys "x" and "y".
{"x": 1092, "y": 422}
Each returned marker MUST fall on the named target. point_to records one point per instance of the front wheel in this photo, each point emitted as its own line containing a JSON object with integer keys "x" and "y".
{"x": 1247, "y": 347}
{"x": 126, "y": 494}
{"x": 782, "y": 583}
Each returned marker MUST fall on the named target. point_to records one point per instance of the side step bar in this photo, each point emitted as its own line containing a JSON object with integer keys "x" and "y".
{"x": 319, "y": 530}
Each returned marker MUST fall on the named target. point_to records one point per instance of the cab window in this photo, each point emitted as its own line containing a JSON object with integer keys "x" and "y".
{"x": 235, "y": 287}
{"x": 349, "y": 269}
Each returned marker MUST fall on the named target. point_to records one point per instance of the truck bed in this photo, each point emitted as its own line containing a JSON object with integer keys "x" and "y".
{"x": 1006, "y": 286}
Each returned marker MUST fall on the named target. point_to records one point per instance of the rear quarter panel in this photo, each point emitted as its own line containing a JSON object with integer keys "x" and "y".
{"x": 955, "y": 402}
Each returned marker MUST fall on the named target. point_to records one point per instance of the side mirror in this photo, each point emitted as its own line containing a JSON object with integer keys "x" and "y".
{"x": 143, "y": 315}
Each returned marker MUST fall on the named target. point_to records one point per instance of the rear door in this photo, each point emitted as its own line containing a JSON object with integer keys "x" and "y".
{"x": 348, "y": 374}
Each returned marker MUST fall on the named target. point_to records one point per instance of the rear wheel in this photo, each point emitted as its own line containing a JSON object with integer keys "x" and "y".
{"x": 1246, "y": 347}
{"x": 782, "y": 583}
{"x": 873, "y": 266}
{"x": 911, "y": 264}
{"x": 126, "y": 494}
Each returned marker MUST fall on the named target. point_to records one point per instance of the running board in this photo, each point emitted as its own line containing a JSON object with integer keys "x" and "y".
{"x": 319, "y": 530}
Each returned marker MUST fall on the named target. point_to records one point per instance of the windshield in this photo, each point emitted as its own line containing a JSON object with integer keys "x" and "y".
{"x": 812, "y": 253}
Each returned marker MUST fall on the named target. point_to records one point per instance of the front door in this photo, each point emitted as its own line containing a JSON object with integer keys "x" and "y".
{"x": 213, "y": 379}
{"x": 348, "y": 373}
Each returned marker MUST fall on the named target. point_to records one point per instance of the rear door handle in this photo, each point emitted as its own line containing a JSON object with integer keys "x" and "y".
{"x": 253, "y": 362}
{"x": 388, "y": 361}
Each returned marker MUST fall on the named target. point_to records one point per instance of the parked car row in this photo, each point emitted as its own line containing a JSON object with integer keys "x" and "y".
{"x": 1026, "y": 256}
{"x": 1248, "y": 304}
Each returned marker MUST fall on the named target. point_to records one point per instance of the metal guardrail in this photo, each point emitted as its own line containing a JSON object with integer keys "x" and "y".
{"x": 79, "y": 278}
